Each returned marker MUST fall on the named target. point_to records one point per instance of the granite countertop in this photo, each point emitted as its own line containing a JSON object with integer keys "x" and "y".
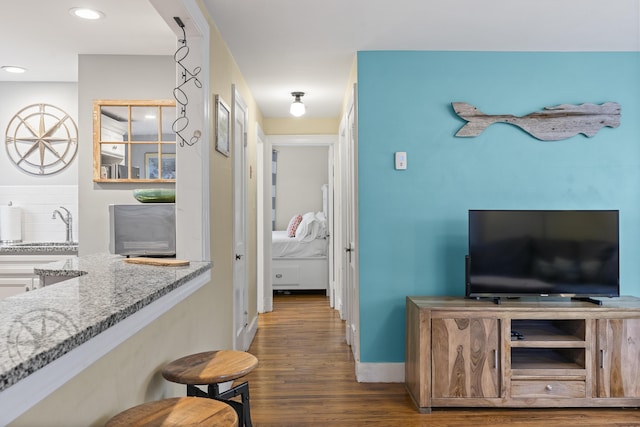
{"x": 38, "y": 327}
{"x": 39, "y": 248}
{"x": 69, "y": 267}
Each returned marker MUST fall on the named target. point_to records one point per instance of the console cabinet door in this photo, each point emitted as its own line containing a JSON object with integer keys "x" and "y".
{"x": 465, "y": 358}
{"x": 618, "y": 364}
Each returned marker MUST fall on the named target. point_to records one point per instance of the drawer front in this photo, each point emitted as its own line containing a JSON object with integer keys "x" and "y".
{"x": 551, "y": 388}
{"x": 289, "y": 275}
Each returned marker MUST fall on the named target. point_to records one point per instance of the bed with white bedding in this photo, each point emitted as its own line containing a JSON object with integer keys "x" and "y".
{"x": 300, "y": 254}
{"x": 286, "y": 247}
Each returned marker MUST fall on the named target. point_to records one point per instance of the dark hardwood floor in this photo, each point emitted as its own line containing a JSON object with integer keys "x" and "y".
{"x": 306, "y": 377}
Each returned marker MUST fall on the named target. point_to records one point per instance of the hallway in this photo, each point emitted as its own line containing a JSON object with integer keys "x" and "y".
{"x": 306, "y": 377}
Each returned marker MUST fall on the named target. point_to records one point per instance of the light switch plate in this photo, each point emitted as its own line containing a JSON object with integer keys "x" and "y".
{"x": 401, "y": 160}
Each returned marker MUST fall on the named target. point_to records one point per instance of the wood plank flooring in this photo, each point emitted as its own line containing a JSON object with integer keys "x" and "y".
{"x": 306, "y": 377}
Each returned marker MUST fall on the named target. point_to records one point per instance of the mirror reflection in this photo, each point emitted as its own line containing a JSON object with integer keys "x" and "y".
{"x": 134, "y": 141}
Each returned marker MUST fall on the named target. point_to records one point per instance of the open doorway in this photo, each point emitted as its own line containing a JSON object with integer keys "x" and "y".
{"x": 299, "y": 185}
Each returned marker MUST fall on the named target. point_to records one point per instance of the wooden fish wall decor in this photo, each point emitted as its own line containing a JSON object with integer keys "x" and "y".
{"x": 551, "y": 124}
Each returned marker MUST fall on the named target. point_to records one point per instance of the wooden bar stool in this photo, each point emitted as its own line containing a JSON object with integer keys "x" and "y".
{"x": 211, "y": 368}
{"x": 177, "y": 412}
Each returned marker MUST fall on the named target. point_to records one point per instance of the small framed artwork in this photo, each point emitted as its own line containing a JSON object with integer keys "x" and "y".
{"x": 152, "y": 169}
{"x": 223, "y": 126}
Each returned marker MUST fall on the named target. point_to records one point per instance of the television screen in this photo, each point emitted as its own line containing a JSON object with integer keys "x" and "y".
{"x": 543, "y": 253}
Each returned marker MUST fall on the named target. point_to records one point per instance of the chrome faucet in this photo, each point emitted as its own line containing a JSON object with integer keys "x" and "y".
{"x": 67, "y": 221}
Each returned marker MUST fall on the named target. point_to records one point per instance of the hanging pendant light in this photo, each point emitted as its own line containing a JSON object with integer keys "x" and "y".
{"x": 297, "y": 107}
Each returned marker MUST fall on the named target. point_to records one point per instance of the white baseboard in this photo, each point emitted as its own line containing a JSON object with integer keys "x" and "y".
{"x": 380, "y": 372}
{"x": 252, "y": 329}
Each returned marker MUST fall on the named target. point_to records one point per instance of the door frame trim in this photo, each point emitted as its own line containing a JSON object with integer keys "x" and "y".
{"x": 301, "y": 140}
{"x": 241, "y": 340}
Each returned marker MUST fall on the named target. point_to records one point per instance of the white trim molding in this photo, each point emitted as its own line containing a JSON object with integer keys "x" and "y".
{"x": 303, "y": 140}
{"x": 380, "y": 372}
{"x": 252, "y": 329}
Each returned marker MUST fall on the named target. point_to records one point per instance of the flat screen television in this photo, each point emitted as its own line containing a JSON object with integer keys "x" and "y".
{"x": 565, "y": 253}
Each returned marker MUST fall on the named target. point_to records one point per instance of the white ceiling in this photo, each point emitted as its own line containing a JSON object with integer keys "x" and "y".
{"x": 309, "y": 45}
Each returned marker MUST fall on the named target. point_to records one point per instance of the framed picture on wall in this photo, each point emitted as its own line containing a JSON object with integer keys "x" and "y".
{"x": 223, "y": 126}
{"x": 152, "y": 168}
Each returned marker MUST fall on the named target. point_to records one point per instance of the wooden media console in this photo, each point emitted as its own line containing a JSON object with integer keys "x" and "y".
{"x": 522, "y": 353}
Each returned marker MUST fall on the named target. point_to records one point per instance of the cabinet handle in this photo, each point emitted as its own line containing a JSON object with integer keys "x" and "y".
{"x": 549, "y": 387}
{"x": 601, "y": 359}
{"x": 279, "y": 276}
{"x": 495, "y": 358}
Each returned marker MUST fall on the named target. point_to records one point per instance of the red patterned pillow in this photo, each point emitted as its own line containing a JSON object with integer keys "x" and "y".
{"x": 293, "y": 225}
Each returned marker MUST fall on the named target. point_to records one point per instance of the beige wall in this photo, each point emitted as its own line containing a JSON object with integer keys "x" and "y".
{"x": 301, "y": 173}
{"x": 301, "y": 126}
{"x": 224, "y": 74}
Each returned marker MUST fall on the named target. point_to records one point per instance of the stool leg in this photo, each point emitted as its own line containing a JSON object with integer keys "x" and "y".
{"x": 195, "y": 391}
{"x": 243, "y": 409}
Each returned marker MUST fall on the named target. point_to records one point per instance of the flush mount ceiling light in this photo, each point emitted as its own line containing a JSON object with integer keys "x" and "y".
{"x": 13, "y": 69}
{"x": 85, "y": 13}
{"x": 297, "y": 107}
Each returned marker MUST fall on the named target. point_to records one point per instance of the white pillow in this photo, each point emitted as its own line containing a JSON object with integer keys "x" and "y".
{"x": 306, "y": 227}
{"x": 321, "y": 220}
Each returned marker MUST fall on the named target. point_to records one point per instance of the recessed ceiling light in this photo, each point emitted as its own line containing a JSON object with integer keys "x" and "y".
{"x": 85, "y": 13}
{"x": 13, "y": 69}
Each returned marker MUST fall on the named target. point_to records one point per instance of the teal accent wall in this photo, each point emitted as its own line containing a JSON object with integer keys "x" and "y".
{"x": 413, "y": 223}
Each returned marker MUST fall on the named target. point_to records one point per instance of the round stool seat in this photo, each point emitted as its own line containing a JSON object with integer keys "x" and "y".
{"x": 210, "y": 367}
{"x": 177, "y": 412}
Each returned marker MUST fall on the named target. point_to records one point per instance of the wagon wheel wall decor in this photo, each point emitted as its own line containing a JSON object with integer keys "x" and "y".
{"x": 41, "y": 139}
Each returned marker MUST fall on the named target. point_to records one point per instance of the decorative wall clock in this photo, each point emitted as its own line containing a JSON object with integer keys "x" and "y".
{"x": 41, "y": 139}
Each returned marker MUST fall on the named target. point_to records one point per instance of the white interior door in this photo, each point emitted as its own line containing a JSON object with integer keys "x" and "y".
{"x": 264, "y": 204}
{"x": 240, "y": 279}
{"x": 331, "y": 213}
{"x": 339, "y": 220}
{"x": 351, "y": 288}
